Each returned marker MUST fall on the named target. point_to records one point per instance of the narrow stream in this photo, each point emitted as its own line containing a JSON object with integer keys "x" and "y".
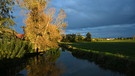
{"x": 64, "y": 64}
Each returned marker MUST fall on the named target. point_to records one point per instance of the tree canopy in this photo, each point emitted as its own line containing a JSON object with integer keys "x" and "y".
{"x": 6, "y": 18}
{"x": 6, "y": 13}
{"x": 42, "y": 28}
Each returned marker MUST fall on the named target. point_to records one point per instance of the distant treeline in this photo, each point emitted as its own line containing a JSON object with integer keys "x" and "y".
{"x": 111, "y": 39}
{"x": 78, "y": 37}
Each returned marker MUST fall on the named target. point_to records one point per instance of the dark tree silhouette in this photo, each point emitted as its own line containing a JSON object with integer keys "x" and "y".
{"x": 88, "y": 37}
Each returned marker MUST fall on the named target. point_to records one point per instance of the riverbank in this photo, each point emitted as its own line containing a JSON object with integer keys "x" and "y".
{"x": 106, "y": 60}
{"x": 118, "y": 49}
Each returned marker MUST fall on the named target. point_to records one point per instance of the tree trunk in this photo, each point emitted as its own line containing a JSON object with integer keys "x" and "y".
{"x": 36, "y": 50}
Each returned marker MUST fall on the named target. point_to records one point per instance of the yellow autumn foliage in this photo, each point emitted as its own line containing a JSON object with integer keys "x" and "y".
{"x": 42, "y": 29}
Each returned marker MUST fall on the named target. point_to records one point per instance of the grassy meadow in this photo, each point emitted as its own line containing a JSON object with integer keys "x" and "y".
{"x": 123, "y": 48}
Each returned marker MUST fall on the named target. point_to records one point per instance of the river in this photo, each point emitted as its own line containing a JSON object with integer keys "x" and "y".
{"x": 64, "y": 64}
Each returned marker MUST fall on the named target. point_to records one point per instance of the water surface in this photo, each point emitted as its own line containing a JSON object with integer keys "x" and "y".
{"x": 64, "y": 64}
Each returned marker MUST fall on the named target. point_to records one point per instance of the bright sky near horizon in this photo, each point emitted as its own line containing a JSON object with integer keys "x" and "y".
{"x": 103, "y": 18}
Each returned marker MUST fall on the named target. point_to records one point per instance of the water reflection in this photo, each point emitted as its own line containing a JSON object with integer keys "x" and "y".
{"x": 116, "y": 66}
{"x": 81, "y": 67}
{"x": 41, "y": 65}
{"x": 59, "y": 63}
{"x": 9, "y": 67}
{"x": 44, "y": 65}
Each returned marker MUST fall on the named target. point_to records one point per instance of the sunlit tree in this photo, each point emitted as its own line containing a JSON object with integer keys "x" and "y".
{"x": 42, "y": 28}
{"x": 59, "y": 22}
{"x": 79, "y": 37}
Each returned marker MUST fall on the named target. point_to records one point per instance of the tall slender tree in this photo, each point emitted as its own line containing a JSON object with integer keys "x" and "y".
{"x": 41, "y": 27}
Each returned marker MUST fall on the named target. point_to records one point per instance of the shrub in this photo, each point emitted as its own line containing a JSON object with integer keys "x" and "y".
{"x": 15, "y": 48}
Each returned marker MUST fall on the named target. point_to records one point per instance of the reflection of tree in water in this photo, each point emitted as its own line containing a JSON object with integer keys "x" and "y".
{"x": 45, "y": 65}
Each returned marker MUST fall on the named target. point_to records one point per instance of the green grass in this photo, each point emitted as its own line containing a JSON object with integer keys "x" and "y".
{"x": 122, "y": 48}
{"x": 117, "y": 41}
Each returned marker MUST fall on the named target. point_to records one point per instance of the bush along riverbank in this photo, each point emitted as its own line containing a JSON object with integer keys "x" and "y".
{"x": 14, "y": 48}
{"x": 14, "y": 52}
{"x": 106, "y": 60}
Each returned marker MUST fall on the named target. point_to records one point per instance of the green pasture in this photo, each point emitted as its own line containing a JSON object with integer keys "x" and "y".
{"x": 116, "y": 40}
{"x": 124, "y": 48}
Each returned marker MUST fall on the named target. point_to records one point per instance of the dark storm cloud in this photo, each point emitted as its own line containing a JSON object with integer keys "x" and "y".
{"x": 98, "y": 12}
{"x": 83, "y": 14}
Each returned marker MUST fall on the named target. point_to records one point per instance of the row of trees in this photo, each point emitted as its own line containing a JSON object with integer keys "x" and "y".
{"x": 76, "y": 37}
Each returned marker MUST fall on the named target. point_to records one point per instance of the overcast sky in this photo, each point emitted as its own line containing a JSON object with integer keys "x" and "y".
{"x": 102, "y": 18}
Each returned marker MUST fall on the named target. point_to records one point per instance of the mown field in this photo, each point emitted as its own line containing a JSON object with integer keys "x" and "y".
{"x": 125, "y": 48}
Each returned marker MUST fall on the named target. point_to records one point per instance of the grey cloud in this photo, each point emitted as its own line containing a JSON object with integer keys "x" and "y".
{"x": 93, "y": 13}
{"x": 100, "y": 17}
{"x": 126, "y": 30}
